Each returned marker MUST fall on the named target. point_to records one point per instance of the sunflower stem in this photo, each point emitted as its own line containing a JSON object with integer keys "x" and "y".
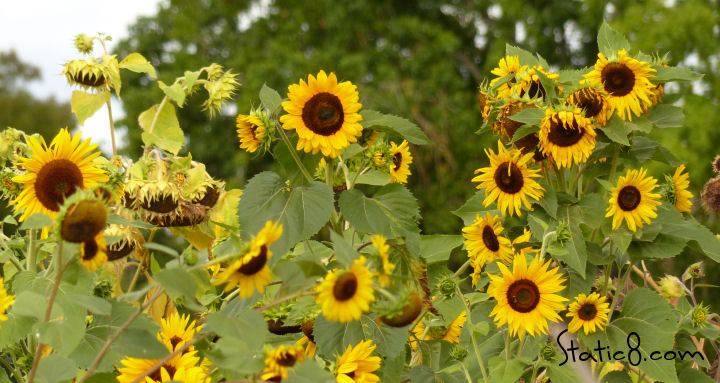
{"x": 507, "y": 345}
{"x": 467, "y": 374}
{"x": 618, "y": 288}
{"x": 294, "y": 155}
{"x": 31, "y": 256}
{"x": 385, "y": 293}
{"x": 534, "y": 372}
{"x": 613, "y": 167}
{"x": 462, "y": 268}
{"x": 329, "y": 180}
{"x": 112, "y": 125}
{"x": 476, "y": 349}
{"x": 546, "y": 239}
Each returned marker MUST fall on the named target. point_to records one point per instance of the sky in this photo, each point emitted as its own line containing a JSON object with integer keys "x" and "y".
{"x": 42, "y": 33}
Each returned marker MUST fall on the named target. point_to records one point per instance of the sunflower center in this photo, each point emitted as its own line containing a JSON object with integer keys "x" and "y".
{"x": 56, "y": 180}
{"x": 509, "y": 178}
{"x": 490, "y": 239}
{"x": 535, "y": 90}
{"x": 589, "y": 101}
{"x": 397, "y": 160}
{"x": 287, "y": 360}
{"x": 587, "y": 312}
{"x": 119, "y": 249}
{"x": 523, "y": 295}
{"x": 157, "y": 375}
{"x": 345, "y": 286}
{"x": 255, "y": 263}
{"x": 629, "y": 198}
{"x": 323, "y": 114}
{"x": 564, "y": 136}
{"x": 90, "y": 250}
{"x": 175, "y": 341}
{"x": 618, "y": 79}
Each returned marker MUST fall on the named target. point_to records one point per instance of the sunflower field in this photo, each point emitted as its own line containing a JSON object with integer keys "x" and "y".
{"x": 149, "y": 269}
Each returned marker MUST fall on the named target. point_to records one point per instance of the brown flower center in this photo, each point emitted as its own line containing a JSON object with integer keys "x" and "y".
{"x": 89, "y": 79}
{"x": 563, "y": 135}
{"x": 523, "y": 295}
{"x": 397, "y": 160}
{"x": 56, "y": 180}
{"x": 587, "y": 312}
{"x": 163, "y": 204}
{"x": 323, "y": 114}
{"x": 618, "y": 79}
{"x": 157, "y": 375}
{"x": 345, "y": 286}
{"x": 175, "y": 341}
{"x": 629, "y": 198}
{"x": 255, "y": 263}
{"x": 510, "y": 181}
{"x": 589, "y": 100}
{"x": 90, "y": 249}
{"x": 83, "y": 221}
{"x": 287, "y": 360}
{"x": 119, "y": 249}
{"x": 490, "y": 239}
{"x": 534, "y": 90}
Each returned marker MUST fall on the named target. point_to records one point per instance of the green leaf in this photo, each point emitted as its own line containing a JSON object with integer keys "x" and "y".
{"x": 645, "y": 149}
{"x": 344, "y": 252}
{"x": 662, "y": 246}
{"x": 373, "y": 177}
{"x": 437, "y": 247}
{"x": 548, "y": 85}
{"x": 332, "y": 338}
{"x": 673, "y": 73}
{"x": 472, "y": 207}
{"x": 270, "y": 98}
{"x": 390, "y": 340}
{"x": 505, "y": 371}
{"x": 621, "y": 238}
{"x": 137, "y": 63}
{"x": 26, "y": 304}
{"x": 55, "y": 368}
{"x": 610, "y": 42}
{"x": 549, "y": 201}
{"x": 310, "y": 372}
{"x": 140, "y": 343}
{"x": 675, "y": 224}
{"x": 177, "y": 282}
{"x": 120, "y": 220}
{"x": 302, "y": 210}
{"x": 248, "y": 326}
{"x": 666, "y": 116}
{"x": 190, "y": 79}
{"x": 36, "y": 221}
{"x": 392, "y": 211}
{"x": 166, "y": 133}
{"x": 689, "y": 374}
{"x": 175, "y": 92}
{"x": 388, "y": 122}
{"x": 592, "y": 210}
{"x": 526, "y": 58}
{"x": 94, "y": 304}
{"x": 617, "y": 377}
{"x": 641, "y": 124}
{"x": 85, "y": 104}
{"x": 161, "y": 248}
{"x": 524, "y": 131}
{"x": 577, "y": 252}
{"x": 529, "y": 116}
{"x": 616, "y": 130}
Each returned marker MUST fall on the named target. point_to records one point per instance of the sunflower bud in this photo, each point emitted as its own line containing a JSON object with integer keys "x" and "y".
{"x": 447, "y": 286}
{"x": 214, "y": 71}
{"x": 716, "y": 164}
{"x": 437, "y": 332}
{"x": 458, "y": 353}
{"x": 219, "y": 91}
{"x": 671, "y": 287}
{"x": 699, "y": 315}
{"x": 407, "y": 314}
{"x": 548, "y": 351}
{"x": 693, "y": 271}
{"x": 84, "y": 43}
{"x": 711, "y": 195}
{"x": 83, "y": 221}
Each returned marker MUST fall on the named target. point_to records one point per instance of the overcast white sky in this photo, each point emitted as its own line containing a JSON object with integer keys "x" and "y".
{"x": 42, "y": 31}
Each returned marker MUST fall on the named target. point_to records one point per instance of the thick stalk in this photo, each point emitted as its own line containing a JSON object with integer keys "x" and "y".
{"x": 618, "y": 289}
{"x": 31, "y": 252}
{"x": 294, "y": 155}
{"x": 476, "y": 349}
{"x": 112, "y": 126}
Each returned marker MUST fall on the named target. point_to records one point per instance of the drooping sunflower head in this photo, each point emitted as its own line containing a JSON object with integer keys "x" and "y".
{"x": 278, "y": 360}
{"x": 506, "y": 127}
{"x": 130, "y": 239}
{"x": 6, "y": 300}
{"x": 531, "y": 83}
{"x": 357, "y": 366}
{"x": 485, "y": 101}
{"x": 588, "y": 312}
{"x": 90, "y": 73}
{"x": 527, "y": 296}
{"x": 710, "y": 195}
{"x": 404, "y": 312}
{"x": 632, "y": 200}
{"x": 324, "y": 113}
{"x": 484, "y": 241}
{"x": 593, "y": 103}
{"x": 507, "y": 66}
{"x": 383, "y": 249}
{"x": 82, "y": 217}
{"x": 55, "y": 172}
{"x": 93, "y": 253}
{"x": 677, "y": 190}
{"x": 176, "y": 331}
{"x": 567, "y": 136}
{"x": 626, "y": 81}
{"x": 221, "y": 86}
{"x": 437, "y": 331}
{"x": 253, "y": 131}
{"x": 346, "y": 294}
{"x": 508, "y": 180}
{"x": 401, "y": 160}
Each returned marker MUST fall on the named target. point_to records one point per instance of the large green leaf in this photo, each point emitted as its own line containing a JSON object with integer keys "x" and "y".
{"x": 55, "y": 368}
{"x": 529, "y": 116}
{"x": 85, "y": 104}
{"x": 138, "y": 63}
{"x": 310, "y": 372}
{"x": 392, "y": 211}
{"x": 661, "y": 246}
{"x": 384, "y": 122}
{"x": 672, "y": 73}
{"x": 166, "y": 132}
{"x": 332, "y": 338}
{"x": 525, "y": 57}
{"x": 139, "y": 343}
{"x": 390, "y": 340}
{"x": 248, "y": 327}
{"x": 437, "y": 247}
{"x": 610, "y": 41}
{"x": 270, "y": 98}
{"x": 302, "y": 210}
{"x": 666, "y": 116}
{"x": 617, "y": 130}
{"x": 675, "y": 224}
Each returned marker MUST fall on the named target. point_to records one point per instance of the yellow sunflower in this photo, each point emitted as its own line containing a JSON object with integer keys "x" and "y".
{"x": 6, "y": 300}
{"x": 180, "y": 368}
{"x": 508, "y": 65}
{"x": 484, "y": 241}
{"x": 55, "y": 172}
{"x": 531, "y": 84}
{"x": 176, "y": 331}
{"x": 526, "y": 296}
{"x": 626, "y": 81}
{"x": 633, "y": 200}
{"x": 451, "y": 333}
{"x": 566, "y": 136}
{"x": 383, "y": 250}
{"x": 324, "y": 114}
{"x": 346, "y": 295}
{"x": 401, "y": 158}
{"x": 93, "y": 253}
{"x": 251, "y": 272}
{"x": 279, "y": 360}
{"x": 251, "y": 132}
{"x": 508, "y": 180}
{"x": 680, "y": 184}
{"x": 356, "y": 364}
{"x": 588, "y": 312}
{"x": 308, "y": 345}
{"x": 593, "y": 103}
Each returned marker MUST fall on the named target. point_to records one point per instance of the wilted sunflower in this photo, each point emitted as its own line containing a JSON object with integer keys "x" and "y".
{"x": 632, "y": 200}
{"x": 626, "y": 81}
{"x": 175, "y": 331}
{"x": 93, "y": 253}
{"x": 83, "y": 220}
{"x": 401, "y": 160}
{"x": 130, "y": 239}
{"x": 55, "y": 172}
{"x": 182, "y": 368}
{"x": 484, "y": 241}
{"x": 324, "y": 114}
{"x": 593, "y": 103}
{"x": 251, "y": 132}
{"x": 508, "y": 180}
{"x": 90, "y": 73}
{"x": 346, "y": 295}
{"x": 251, "y": 272}
{"x": 6, "y": 300}
{"x": 279, "y": 360}
{"x": 508, "y": 65}
{"x": 383, "y": 250}
{"x": 357, "y": 366}
{"x": 526, "y": 296}
{"x": 566, "y": 136}
{"x": 589, "y": 312}
{"x": 680, "y": 184}
{"x": 451, "y": 333}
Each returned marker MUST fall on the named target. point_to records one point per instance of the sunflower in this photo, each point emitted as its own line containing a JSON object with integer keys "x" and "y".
{"x": 633, "y": 200}
{"x": 593, "y": 103}
{"x": 531, "y": 83}
{"x": 451, "y": 333}
{"x": 383, "y": 250}
{"x": 626, "y": 81}
{"x": 324, "y": 114}
{"x": 251, "y": 132}
{"x": 279, "y": 360}
{"x": 588, "y": 312}
{"x": 508, "y": 180}
{"x": 308, "y": 344}
{"x": 508, "y": 65}
{"x": 526, "y": 297}
{"x": 680, "y": 184}
{"x": 93, "y": 253}
{"x": 55, "y": 172}
{"x": 182, "y": 368}
{"x": 131, "y": 239}
{"x": 176, "y": 331}
{"x": 6, "y": 300}
{"x": 345, "y": 295}
{"x": 566, "y": 136}
{"x": 251, "y": 272}
{"x": 83, "y": 220}
{"x": 401, "y": 158}
{"x": 484, "y": 241}
{"x": 356, "y": 364}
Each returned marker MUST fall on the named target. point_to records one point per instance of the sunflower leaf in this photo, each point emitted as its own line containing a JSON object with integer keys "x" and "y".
{"x": 610, "y": 41}
{"x": 673, "y": 73}
{"x": 333, "y": 337}
{"x": 270, "y": 98}
{"x": 529, "y": 116}
{"x": 85, "y": 104}
{"x": 388, "y": 122}
{"x": 524, "y": 131}
{"x": 617, "y": 130}
{"x": 55, "y": 368}
{"x": 688, "y": 228}
{"x": 310, "y": 373}
{"x": 437, "y": 247}
{"x": 166, "y": 132}
{"x": 138, "y": 63}
{"x": 392, "y": 211}
{"x": 666, "y": 116}
{"x": 175, "y": 92}
{"x": 36, "y": 221}
{"x": 526, "y": 58}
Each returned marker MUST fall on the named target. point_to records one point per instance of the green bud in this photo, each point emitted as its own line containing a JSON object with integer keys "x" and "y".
{"x": 548, "y": 351}
{"x": 699, "y": 315}
{"x": 447, "y": 286}
{"x": 84, "y": 43}
{"x": 459, "y": 353}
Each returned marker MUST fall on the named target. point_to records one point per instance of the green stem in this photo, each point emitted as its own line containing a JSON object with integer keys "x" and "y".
{"x": 618, "y": 288}
{"x": 561, "y": 178}
{"x": 534, "y": 373}
{"x": 12, "y": 368}
{"x": 385, "y": 293}
{"x": 476, "y": 349}
{"x": 462, "y": 268}
{"x": 507, "y": 345}
{"x": 520, "y": 346}
{"x": 31, "y": 252}
{"x": 112, "y": 125}
{"x": 576, "y": 179}
{"x": 294, "y": 154}
{"x": 467, "y": 374}
{"x": 613, "y": 167}
{"x": 329, "y": 180}
{"x": 546, "y": 239}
